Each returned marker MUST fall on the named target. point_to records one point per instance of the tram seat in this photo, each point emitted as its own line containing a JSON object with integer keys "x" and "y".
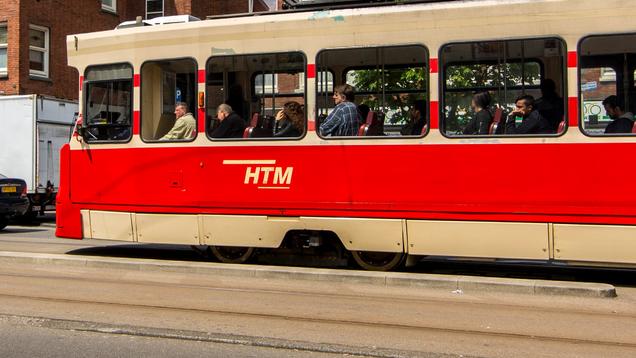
{"x": 249, "y": 130}
{"x": 424, "y": 129}
{"x": 561, "y": 128}
{"x": 634, "y": 128}
{"x": 372, "y": 126}
{"x": 496, "y": 121}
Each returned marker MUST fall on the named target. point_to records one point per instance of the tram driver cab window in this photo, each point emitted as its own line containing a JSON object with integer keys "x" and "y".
{"x": 263, "y": 93}
{"x": 512, "y": 87}
{"x": 608, "y": 84}
{"x": 108, "y": 103}
{"x": 168, "y": 100}
{"x": 387, "y": 85}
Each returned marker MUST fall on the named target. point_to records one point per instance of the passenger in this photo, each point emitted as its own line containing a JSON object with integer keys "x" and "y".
{"x": 231, "y": 124}
{"x": 532, "y": 121}
{"x": 344, "y": 120}
{"x": 184, "y": 127}
{"x": 480, "y": 123}
{"x": 622, "y": 121}
{"x": 417, "y": 119}
{"x": 290, "y": 120}
{"x": 363, "y": 110}
{"x": 550, "y": 105}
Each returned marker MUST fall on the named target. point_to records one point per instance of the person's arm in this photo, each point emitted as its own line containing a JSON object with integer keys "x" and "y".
{"x": 526, "y": 126}
{"x": 221, "y": 130}
{"x": 471, "y": 127}
{"x": 331, "y": 123}
{"x": 485, "y": 119}
{"x": 177, "y": 131}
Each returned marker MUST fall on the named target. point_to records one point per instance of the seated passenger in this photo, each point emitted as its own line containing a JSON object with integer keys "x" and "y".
{"x": 622, "y": 121}
{"x": 290, "y": 120}
{"x": 184, "y": 127}
{"x": 480, "y": 123}
{"x": 532, "y": 121}
{"x": 550, "y": 105}
{"x": 344, "y": 120}
{"x": 363, "y": 110}
{"x": 417, "y": 120}
{"x": 231, "y": 124}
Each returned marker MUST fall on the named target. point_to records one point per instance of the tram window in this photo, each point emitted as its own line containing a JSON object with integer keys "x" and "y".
{"x": 390, "y": 82}
{"x": 495, "y": 74}
{"x": 607, "y": 74}
{"x": 266, "y": 93}
{"x": 108, "y": 106}
{"x": 164, "y": 84}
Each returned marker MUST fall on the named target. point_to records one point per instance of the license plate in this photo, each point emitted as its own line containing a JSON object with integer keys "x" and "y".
{"x": 36, "y": 208}
{"x": 9, "y": 189}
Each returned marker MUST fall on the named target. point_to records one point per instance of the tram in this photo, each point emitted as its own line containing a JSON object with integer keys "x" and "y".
{"x": 388, "y": 193}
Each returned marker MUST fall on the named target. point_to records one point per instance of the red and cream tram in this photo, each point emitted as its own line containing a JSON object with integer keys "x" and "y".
{"x": 387, "y": 193}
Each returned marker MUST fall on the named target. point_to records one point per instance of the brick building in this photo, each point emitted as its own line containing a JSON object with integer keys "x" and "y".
{"x": 33, "y": 35}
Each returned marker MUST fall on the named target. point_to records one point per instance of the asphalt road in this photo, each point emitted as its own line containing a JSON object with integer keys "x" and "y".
{"x": 59, "y": 310}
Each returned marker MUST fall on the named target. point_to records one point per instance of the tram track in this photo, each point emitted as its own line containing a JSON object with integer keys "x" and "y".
{"x": 306, "y": 319}
{"x": 359, "y": 323}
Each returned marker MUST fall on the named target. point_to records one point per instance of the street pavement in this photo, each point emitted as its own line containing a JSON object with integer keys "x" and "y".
{"x": 60, "y": 310}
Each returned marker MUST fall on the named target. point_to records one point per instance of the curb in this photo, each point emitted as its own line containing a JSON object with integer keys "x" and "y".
{"x": 458, "y": 284}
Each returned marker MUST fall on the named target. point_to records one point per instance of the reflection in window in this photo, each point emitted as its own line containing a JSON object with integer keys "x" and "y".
{"x": 390, "y": 83}
{"x": 267, "y": 92}
{"x": 164, "y": 84}
{"x": 505, "y": 70}
{"x": 608, "y": 65}
{"x": 108, "y": 106}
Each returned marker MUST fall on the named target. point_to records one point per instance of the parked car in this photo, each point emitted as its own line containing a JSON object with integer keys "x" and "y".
{"x": 13, "y": 199}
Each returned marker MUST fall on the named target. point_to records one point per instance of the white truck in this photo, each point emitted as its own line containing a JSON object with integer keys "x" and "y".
{"x": 32, "y": 130}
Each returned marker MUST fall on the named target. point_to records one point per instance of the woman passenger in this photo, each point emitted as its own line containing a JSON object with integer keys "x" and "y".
{"x": 480, "y": 123}
{"x": 290, "y": 120}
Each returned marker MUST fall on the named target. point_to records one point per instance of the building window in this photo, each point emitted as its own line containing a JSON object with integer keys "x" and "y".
{"x": 109, "y": 5}
{"x": 154, "y": 8}
{"x": 3, "y": 49}
{"x": 38, "y": 51}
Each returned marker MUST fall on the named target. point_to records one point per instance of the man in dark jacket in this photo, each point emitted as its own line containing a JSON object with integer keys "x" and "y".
{"x": 232, "y": 125}
{"x": 532, "y": 121}
{"x": 622, "y": 121}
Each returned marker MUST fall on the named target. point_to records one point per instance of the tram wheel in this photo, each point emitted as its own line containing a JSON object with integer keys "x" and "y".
{"x": 232, "y": 254}
{"x": 378, "y": 261}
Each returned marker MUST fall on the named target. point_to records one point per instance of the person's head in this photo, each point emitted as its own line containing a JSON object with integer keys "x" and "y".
{"x": 548, "y": 87}
{"x": 524, "y": 104}
{"x": 613, "y": 107}
{"x": 293, "y": 112}
{"x": 343, "y": 93}
{"x": 180, "y": 109}
{"x": 223, "y": 111}
{"x": 480, "y": 101}
{"x": 417, "y": 111}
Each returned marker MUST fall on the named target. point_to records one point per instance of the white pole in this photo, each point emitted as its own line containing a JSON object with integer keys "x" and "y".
{"x": 250, "y": 6}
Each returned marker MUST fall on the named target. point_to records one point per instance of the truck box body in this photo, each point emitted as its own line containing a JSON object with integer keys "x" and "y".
{"x": 32, "y": 131}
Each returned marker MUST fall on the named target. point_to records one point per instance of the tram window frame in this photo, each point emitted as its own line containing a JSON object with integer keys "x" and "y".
{"x": 252, "y": 78}
{"x": 85, "y": 100}
{"x": 191, "y": 109}
{"x": 442, "y": 86}
{"x": 427, "y": 88}
{"x": 631, "y": 83}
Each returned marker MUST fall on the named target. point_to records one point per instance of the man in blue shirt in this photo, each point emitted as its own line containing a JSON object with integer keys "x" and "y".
{"x": 344, "y": 120}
